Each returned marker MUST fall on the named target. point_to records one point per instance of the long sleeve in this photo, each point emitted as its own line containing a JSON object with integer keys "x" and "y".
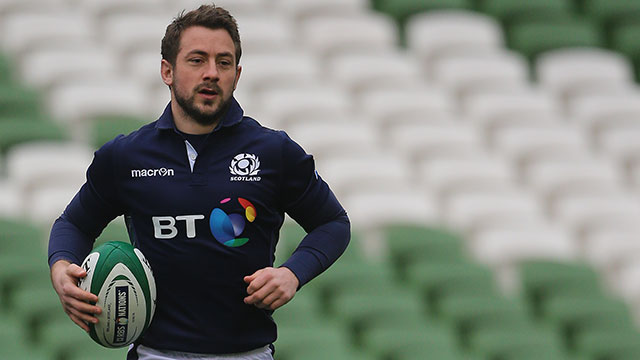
{"x": 92, "y": 208}
{"x": 311, "y": 203}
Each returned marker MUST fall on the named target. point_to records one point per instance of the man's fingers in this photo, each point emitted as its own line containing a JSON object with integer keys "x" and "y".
{"x": 79, "y": 322}
{"x": 85, "y": 317}
{"x": 257, "y": 283}
{"x": 259, "y": 295}
{"x": 76, "y": 292}
{"x": 76, "y": 271}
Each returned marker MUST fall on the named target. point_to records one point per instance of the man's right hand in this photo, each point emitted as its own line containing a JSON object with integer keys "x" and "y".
{"x": 75, "y": 301}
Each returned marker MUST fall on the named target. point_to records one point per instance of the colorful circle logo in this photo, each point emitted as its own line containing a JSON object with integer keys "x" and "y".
{"x": 227, "y": 227}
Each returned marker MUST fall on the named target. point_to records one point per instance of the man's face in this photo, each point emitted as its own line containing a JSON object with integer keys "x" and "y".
{"x": 205, "y": 74}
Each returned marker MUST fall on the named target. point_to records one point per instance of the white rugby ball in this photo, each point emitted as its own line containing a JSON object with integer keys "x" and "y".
{"x": 121, "y": 277}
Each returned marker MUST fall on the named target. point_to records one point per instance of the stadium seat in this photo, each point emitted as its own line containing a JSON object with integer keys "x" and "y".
{"x": 468, "y": 74}
{"x": 403, "y": 10}
{"x": 411, "y": 343}
{"x": 72, "y": 63}
{"x": 18, "y": 236}
{"x": 409, "y": 244}
{"x": 20, "y": 101}
{"x": 533, "y": 38}
{"x": 623, "y": 344}
{"x": 78, "y": 102}
{"x": 312, "y": 342}
{"x": 611, "y": 12}
{"x": 599, "y": 111}
{"x": 529, "y": 105}
{"x": 35, "y": 29}
{"x": 510, "y": 11}
{"x": 359, "y": 72}
{"x": 387, "y": 108}
{"x": 330, "y": 139}
{"x": 542, "y": 280}
{"x": 23, "y": 130}
{"x": 261, "y": 34}
{"x": 13, "y": 344}
{"x": 424, "y": 142}
{"x": 439, "y": 32}
{"x": 327, "y": 35}
{"x": 569, "y": 72}
{"x": 622, "y": 39}
{"x": 129, "y": 31}
{"x": 577, "y": 316}
{"x": 447, "y": 176}
{"x": 512, "y": 344}
{"x": 11, "y": 205}
{"x": 105, "y": 128}
{"x": 288, "y": 104}
{"x": 440, "y": 281}
{"x": 236, "y": 7}
{"x": 298, "y": 10}
{"x": 263, "y": 71}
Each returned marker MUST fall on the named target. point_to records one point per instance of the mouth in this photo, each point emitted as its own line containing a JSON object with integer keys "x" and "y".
{"x": 208, "y": 93}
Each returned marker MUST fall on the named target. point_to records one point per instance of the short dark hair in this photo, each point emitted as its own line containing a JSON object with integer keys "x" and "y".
{"x": 209, "y": 16}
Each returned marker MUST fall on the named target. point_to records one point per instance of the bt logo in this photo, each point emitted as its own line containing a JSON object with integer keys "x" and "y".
{"x": 225, "y": 223}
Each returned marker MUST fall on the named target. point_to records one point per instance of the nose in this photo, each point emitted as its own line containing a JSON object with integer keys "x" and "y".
{"x": 211, "y": 72}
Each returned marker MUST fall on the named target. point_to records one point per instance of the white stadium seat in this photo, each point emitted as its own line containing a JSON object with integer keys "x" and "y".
{"x": 133, "y": 32}
{"x": 451, "y": 175}
{"x": 81, "y": 101}
{"x": 359, "y": 72}
{"x": 12, "y": 203}
{"x": 435, "y": 33}
{"x": 326, "y": 139}
{"x": 297, "y": 9}
{"x": 391, "y": 107}
{"x": 424, "y": 141}
{"x": 70, "y": 65}
{"x": 367, "y": 32}
{"x": 236, "y": 7}
{"x": 528, "y": 105}
{"x": 371, "y": 171}
{"x": 598, "y": 111}
{"x": 569, "y": 71}
{"x": 35, "y": 30}
{"x": 144, "y": 68}
{"x": 265, "y": 34}
{"x": 287, "y": 105}
{"x": 467, "y": 74}
{"x": 31, "y": 166}
{"x": 279, "y": 69}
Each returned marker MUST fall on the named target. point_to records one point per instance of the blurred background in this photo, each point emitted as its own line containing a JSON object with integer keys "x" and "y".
{"x": 487, "y": 152}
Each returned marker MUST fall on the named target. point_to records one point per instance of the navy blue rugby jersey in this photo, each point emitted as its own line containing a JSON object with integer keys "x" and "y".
{"x": 205, "y": 224}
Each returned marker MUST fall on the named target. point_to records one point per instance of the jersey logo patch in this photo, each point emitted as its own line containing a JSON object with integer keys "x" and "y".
{"x": 245, "y": 167}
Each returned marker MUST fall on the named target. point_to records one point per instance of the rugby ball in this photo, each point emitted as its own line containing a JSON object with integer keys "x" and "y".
{"x": 121, "y": 277}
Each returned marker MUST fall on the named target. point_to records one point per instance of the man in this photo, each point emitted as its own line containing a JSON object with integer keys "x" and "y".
{"x": 174, "y": 180}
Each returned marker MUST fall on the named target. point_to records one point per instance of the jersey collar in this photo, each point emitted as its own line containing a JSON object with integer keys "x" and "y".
{"x": 233, "y": 116}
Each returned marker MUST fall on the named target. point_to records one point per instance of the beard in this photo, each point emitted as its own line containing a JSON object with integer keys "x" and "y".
{"x": 205, "y": 118}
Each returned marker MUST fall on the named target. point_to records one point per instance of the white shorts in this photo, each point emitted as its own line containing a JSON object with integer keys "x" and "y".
{"x": 146, "y": 353}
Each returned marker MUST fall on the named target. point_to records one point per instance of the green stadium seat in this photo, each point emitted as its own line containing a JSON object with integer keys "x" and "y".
{"x": 401, "y": 10}
{"x": 19, "y": 236}
{"x": 427, "y": 341}
{"x": 473, "y": 315}
{"x": 303, "y": 342}
{"x": 514, "y": 11}
{"x": 18, "y": 269}
{"x": 624, "y": 39}
{"x": 17, "y": 130}
{"x": 574, "y": 316}
{"x": 35, "y": 304}
{"x": 609, "y": 13}
{"x": 13, "y": 343}
{"x": 438, "y": 281}
{"x": 608, "y": 344}
{"x": 19, "y": 101}
{"x": 60, "y": 337}
{"x": 361, "y": 312}
{"x": 302, "y": 310}
{"x": 510, "y": 344}
{"x": 106, "y": 128}
{"x": 7, "y": 69}
{"x": 534, "y": 37}
{"x": 407, "y": 244}
{"x": 545, "y": 278}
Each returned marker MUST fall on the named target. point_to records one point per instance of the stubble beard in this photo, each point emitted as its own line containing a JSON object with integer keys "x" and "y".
{"x": 204, "y": 118}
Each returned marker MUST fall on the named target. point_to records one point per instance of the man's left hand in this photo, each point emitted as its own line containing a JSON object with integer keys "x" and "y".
{"x": 270, "y": 288}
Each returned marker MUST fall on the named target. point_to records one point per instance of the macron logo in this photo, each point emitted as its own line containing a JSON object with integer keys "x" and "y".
{"x": 137, "y": 173}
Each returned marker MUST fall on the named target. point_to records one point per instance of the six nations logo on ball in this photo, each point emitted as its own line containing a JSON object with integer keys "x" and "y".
{"x": 245, "y": 167}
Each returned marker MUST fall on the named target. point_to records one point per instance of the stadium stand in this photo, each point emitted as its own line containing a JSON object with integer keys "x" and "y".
{"x": 486, "y": 151}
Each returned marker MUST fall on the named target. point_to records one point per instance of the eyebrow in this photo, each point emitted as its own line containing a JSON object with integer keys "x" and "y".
{"x": 204, "y": 53}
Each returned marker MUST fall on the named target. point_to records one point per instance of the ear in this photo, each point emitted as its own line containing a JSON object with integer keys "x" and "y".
{"x": 238, "y": 71}
{"x": 166, "y": 71}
